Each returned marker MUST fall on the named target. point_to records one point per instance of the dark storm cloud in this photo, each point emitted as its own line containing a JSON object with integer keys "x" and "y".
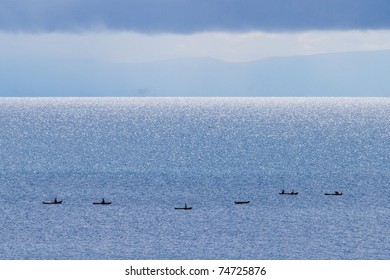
{"x": 187, "y": 16}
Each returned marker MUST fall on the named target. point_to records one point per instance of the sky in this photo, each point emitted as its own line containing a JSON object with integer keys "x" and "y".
{"x": 191, "y": 16}
{"x": 137, "y": 31}
{"x": 231, "y": 30}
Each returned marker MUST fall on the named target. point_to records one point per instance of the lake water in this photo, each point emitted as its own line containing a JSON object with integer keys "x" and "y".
{"x": 149, "y": 155}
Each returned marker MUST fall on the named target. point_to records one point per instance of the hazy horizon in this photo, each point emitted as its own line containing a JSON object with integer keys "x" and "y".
{"x": 71, "y": 48}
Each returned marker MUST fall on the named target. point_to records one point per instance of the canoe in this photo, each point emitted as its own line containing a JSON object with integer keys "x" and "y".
{"x": 52, "y": 202}
{"x": 183, "y": 208}
{"x": 102, "y": 203}
{"x": 290, "y": 193}
{"x": 333, "y": 193}
{"x": 241, "y": 202}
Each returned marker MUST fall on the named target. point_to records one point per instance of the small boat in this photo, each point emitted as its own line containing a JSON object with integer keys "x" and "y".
{"x": 55, "y": 201}
{"x": 241, "y": 202}
{"x": 335, "y": 193}
{"x": 183, "y": 208}
{"x": 288, "y": 193}
{"x": 103, "y": 202}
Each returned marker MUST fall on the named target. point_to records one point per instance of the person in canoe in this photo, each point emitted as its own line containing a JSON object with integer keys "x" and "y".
{"x": 335, "y": 193}
{"x": 103, "y": 202}
{"x": 185, "y": 207}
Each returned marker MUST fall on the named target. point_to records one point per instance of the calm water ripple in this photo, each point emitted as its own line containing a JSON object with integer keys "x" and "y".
{"x": 149, "y": 155}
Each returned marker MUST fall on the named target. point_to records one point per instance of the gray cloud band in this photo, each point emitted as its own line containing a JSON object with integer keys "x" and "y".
{"x": 190, "y": 16}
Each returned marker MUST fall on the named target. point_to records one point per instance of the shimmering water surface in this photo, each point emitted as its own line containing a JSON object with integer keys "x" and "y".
{"x": 149, "y": 155}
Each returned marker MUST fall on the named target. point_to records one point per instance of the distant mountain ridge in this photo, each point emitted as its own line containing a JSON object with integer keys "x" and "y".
{"x": 335, "y": 74}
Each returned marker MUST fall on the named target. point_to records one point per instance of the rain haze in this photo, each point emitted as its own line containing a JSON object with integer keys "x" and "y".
{"x": 93, "y": 48}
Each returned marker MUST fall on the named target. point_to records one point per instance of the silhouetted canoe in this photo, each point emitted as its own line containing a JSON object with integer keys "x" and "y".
{"x": 335, "y": 193}
{"x": 103, "y": 202}
{"x": 241, "y": 202}
{"x": 52, "y": 202}
{"x": 183, "y": 208}
{"x": 288, "y": 193}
